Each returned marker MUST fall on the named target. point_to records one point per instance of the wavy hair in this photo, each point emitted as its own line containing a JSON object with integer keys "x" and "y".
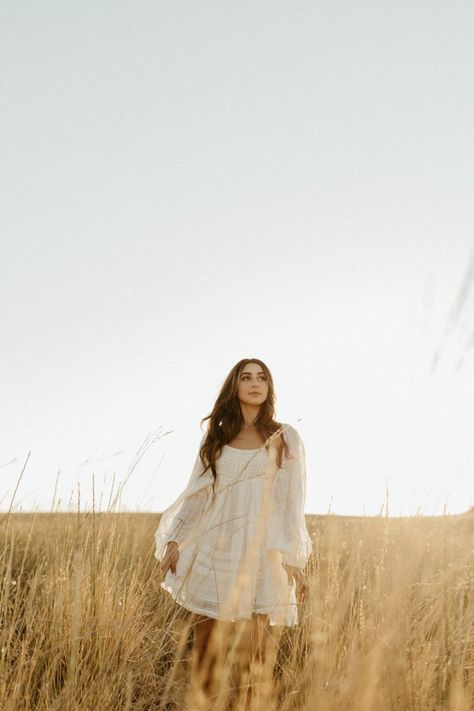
{"x": 226, "y": 419}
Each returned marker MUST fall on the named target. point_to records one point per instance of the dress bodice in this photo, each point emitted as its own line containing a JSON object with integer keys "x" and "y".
{"x": 238, "y": 465}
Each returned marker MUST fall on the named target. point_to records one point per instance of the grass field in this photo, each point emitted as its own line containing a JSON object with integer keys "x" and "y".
{"x": 85, "y": 624}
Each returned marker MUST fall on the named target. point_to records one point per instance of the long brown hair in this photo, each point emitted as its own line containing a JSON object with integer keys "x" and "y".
{"x": 226, "y": 419}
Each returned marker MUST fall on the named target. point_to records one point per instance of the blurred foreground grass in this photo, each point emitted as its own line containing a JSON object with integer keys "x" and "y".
{"x": 84, "y": 623}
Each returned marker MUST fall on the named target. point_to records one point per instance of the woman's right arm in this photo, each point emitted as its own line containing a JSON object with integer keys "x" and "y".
{"x": 184, "y": 523}
{"x": 188, "y": 515}
{"x": 178, "y": 519}
{"x": 170, "y": 558}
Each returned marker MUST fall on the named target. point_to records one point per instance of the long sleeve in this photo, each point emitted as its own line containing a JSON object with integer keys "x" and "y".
{"x": 179, "y": 519}
{"x": 289, "y": 533}
{"x": 188, "y": 515}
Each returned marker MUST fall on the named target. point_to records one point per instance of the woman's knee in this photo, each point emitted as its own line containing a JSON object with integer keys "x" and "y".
{"x": 203, "y": 627}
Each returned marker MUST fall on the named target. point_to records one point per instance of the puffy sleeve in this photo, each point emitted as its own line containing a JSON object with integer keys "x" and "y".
{"x": 289, "y": 533}
{"x": 178, "y": 521}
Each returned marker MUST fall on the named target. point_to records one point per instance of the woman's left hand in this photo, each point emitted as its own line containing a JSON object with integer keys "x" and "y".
{"x": 302, "y": 587}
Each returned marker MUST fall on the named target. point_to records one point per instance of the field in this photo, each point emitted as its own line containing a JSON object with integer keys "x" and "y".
{"x": 85, "y": 625}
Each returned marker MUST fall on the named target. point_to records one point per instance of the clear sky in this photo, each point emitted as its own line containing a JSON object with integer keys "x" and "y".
{"x": 185, "y": 184}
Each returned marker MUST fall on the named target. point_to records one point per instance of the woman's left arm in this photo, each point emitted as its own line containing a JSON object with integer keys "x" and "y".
{"x": 293, "y": 539}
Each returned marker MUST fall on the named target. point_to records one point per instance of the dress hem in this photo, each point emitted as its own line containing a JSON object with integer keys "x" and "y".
{"x": 201, "y": 611}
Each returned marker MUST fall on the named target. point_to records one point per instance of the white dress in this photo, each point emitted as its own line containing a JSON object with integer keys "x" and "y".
{"x": 232, "y": 542}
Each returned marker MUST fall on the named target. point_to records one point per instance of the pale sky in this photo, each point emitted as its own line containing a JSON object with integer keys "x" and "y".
{"x": 185, "y": 184}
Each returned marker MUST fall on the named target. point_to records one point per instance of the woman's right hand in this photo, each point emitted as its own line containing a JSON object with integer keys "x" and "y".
{"x": 170, "y": 558}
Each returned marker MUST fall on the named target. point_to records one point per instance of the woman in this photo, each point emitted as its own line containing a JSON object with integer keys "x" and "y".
{"x": 234, "y": 544}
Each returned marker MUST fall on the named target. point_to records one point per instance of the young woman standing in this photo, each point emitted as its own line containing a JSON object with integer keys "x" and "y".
{"x": 234, "y": 545}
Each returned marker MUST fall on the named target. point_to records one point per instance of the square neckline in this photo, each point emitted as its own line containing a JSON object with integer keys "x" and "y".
{"x": 241, "y": 449}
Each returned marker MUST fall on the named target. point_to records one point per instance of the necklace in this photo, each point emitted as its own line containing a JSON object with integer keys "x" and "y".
{"x": 250, "y": 425}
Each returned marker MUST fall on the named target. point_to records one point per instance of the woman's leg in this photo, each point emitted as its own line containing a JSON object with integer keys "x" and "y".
{"x": 259, "y": 633}
{"x": 209, "y": 646}
{"x": 253, "y": 646}
{"x": 203, "y": 627}
{"x": 261, "y": 691}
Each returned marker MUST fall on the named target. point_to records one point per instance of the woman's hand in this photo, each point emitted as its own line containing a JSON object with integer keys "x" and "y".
{"x": 170, "y": 558}
{"x": 302, "y": 587}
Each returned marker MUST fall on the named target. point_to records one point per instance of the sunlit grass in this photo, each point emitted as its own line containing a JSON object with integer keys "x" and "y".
{"x": 85, "y": 624}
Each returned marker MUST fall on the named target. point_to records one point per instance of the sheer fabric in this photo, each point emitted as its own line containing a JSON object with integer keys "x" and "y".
{"x": 233, "y": 540}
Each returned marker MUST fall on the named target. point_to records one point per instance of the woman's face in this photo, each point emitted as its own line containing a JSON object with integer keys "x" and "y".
{"x": 252, "y": 387}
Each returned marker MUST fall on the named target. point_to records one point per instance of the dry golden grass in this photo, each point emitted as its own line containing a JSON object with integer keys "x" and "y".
{"x": 85, "y": 624}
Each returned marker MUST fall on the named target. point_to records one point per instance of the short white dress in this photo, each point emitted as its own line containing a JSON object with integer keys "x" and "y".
{"x": 234, "y": 537}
